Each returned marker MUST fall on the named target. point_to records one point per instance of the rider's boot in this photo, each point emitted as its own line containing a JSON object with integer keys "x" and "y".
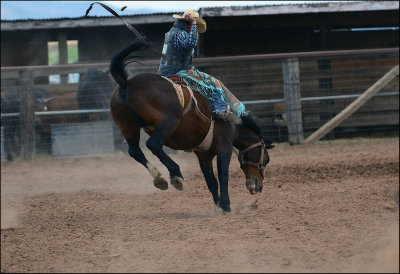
{"x": 221, "y": 111}
{"x": 227, "y": 115}
{"x": 233, "y": 118}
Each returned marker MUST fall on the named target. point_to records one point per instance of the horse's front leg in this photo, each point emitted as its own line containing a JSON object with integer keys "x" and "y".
{"x": 205, "y": 162}
{"x": 223, "y": 144}
{"x": 155, "y": 144}
{"x": 223, "y": 160}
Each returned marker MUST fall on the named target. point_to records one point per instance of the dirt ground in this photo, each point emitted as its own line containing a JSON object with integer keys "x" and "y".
{"x": 329, "y": 207}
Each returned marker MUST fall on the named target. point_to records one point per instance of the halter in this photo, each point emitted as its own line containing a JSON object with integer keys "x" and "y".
{"x": 261, "y": 164}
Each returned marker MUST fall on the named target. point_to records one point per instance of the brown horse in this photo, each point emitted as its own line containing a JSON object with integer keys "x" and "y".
{"x": 149, "y": 101}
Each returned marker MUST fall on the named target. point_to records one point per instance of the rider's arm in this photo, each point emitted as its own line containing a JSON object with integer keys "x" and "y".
{"x": 184, "y": 41}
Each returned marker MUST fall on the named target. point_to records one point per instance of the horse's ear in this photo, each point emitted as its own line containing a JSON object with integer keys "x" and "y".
{"x": 268, "y": 142}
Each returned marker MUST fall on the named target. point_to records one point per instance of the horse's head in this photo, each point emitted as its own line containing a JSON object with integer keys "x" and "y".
{"x": 253, "y": 155}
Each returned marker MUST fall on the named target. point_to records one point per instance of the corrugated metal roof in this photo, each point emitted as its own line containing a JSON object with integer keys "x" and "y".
{"x": 311, "y": 3}
{"x": 80, "y": 22}
{"x": 166, "y": 17}
{"x": 212, "y": 11}
{"x": 300, "y": 8}
{"x": 89, "y": 17}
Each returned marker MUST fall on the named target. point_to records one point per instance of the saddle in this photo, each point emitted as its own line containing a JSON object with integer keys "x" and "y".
{"x": 209, "y": 87}
{"x": 179, "y": 86}
{"x": 213, "y": 89}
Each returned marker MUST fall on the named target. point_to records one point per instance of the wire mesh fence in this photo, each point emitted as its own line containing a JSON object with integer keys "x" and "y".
{"x": 328, "y": 82}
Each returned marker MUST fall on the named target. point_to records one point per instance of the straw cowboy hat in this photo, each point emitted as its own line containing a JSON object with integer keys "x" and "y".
{"x": 201, "y": 24}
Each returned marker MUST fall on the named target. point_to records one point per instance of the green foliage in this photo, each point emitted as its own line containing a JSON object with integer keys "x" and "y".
{"x": 53, "y": 55}
{"x": 72, "y": 51}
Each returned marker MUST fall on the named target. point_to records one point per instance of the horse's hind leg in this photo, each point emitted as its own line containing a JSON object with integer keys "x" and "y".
{"x": 136, "y": 153}
{"x": 155, "y": 145}
{"x": 131, "y": 131}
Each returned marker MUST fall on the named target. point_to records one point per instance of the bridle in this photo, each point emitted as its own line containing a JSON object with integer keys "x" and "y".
{"x": 261, "y": 164}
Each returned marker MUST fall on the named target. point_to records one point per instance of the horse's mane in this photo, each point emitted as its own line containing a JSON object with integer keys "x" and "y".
{"x": 120, "y": 60}
{"x": 248, "y": 122}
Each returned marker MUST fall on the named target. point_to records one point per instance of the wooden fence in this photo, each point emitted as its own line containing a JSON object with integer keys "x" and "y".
{"x": 294, "y": 92}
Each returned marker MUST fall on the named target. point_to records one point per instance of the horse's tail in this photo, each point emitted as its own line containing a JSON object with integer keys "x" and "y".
{"x": 121, "y": 59}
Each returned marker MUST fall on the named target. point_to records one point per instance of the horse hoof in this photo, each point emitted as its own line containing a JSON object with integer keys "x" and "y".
{"x": 177, "y": 182}
{"x": 218, "y": 210}
{"x": 160, "y": 183}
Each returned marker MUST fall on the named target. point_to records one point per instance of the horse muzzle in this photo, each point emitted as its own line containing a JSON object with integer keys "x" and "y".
{"x": 253, "y": 185}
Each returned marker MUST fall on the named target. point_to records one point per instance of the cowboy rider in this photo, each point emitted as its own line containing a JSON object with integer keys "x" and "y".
{"x": 179, "y": 44}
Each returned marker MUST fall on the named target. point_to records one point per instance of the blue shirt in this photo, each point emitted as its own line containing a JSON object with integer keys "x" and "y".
{"x": 184, "y": 41}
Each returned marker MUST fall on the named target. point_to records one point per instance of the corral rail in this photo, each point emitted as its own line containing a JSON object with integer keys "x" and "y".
{"x": 329, "y": 81}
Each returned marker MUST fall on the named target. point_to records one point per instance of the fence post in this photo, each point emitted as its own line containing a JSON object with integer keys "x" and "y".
{"x": 27, "y": 116}
{"x": 292, "y": 97}
{"x": 354, "y": 106}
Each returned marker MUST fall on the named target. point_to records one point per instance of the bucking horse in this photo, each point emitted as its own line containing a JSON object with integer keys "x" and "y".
{"x": 176, "y": 116}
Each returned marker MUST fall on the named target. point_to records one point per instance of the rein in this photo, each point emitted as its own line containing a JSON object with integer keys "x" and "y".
{"x": 129, "y": 26}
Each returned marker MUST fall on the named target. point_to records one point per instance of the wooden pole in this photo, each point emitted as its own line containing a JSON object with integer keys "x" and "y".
{"x": 353, "y": 107}
{"x": 27, "y": 116}
{"x": 63, "y": 54}
{"x": 291, "y": 90}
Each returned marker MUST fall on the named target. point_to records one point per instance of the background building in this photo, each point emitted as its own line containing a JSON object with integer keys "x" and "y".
{"x": 231, "y": 31}
{"x": 338, "y": 50}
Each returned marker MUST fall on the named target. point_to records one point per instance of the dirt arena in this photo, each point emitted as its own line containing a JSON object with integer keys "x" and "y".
{"x": 329, "y": 207}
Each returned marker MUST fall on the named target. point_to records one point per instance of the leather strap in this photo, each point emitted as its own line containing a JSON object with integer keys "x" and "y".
{"x": 194, "y": 100}
{"x": 207, "y": 141}
{"x": 260, "y": 164}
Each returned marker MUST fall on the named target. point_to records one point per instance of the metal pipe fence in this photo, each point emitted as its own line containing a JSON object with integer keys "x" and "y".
{"x": 328, "y": 82}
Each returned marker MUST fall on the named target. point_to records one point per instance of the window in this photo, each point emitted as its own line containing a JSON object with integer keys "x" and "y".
{"x": 73, "y": 57}
{"x": 54, "y": 59}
